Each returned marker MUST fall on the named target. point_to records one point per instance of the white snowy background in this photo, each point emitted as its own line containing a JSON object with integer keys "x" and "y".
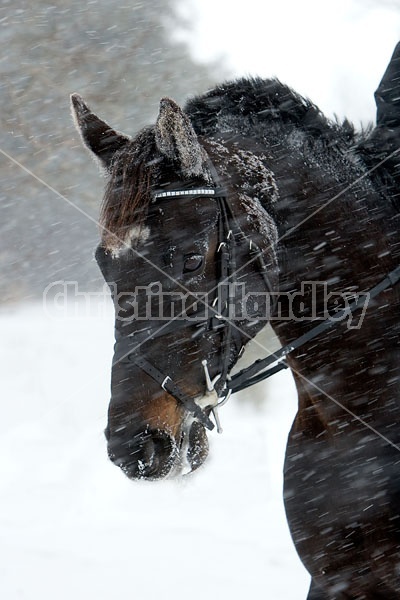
{"x": 71, "y": 525}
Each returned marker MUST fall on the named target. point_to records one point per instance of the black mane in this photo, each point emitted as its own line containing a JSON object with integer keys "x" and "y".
{"x": 251, "y": 103}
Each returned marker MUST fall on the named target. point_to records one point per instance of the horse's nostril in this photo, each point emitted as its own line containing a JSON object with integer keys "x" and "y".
{"x": 149, "y": 455}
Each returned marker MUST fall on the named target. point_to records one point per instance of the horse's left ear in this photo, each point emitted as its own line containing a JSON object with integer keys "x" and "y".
{"x": 177, "y": 140}
{"x": 96, "y": 134}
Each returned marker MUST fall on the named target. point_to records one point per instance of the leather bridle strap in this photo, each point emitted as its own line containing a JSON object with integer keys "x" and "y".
{"x": 169, "y": 386}
{"x": 229, "y": 236}
{"x": 247, "y": 377}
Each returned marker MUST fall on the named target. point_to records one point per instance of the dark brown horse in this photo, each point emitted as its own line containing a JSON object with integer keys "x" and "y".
{"x": 249, "y": 206}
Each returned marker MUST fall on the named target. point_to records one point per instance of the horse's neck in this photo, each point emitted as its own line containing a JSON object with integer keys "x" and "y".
{"x": 336, "y": 240}
{"x": 321, "y": 206}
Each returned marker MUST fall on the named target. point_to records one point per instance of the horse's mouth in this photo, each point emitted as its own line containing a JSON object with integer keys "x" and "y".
{"x": 192, "y": 442}
{"x": 193, "y": 448}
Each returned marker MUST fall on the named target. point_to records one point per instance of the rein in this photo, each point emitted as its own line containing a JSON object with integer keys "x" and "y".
{"x": 248, "y": 376}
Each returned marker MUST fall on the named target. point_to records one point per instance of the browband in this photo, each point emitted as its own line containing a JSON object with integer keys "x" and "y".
{"x": 192, "y": 192}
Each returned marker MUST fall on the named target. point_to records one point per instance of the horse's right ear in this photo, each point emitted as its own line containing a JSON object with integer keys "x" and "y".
{"x": 96, "y": 134}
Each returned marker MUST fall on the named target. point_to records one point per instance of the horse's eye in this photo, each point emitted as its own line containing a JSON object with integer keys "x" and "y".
{"x": 192, "y": 263}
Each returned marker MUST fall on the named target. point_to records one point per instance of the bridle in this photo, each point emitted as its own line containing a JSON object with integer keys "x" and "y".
{"x": 215, "y": 317}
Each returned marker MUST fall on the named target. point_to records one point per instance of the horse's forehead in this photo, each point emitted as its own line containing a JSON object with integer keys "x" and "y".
{"x": 184, "y": 224}
{"x": 181, "y": 218}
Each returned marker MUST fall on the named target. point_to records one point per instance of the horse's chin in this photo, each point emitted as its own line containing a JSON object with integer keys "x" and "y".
{"x": 192, "y": 441}
{"x": 197, "y": 447}
{"x": 193, "y": 448}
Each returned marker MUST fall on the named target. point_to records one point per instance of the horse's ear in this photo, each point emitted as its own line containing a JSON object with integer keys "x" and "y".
{"x": 96, "y": 134}
{"x": 176, "y": 138}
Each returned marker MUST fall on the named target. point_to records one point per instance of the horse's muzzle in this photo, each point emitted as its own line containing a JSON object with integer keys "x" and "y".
{"x": 145, "y": 455}
{"x": 153, "y": 455}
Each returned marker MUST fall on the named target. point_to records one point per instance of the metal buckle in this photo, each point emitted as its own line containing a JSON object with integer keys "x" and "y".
{"x": 164, "y": 382}
{"x": 221, "y": 244}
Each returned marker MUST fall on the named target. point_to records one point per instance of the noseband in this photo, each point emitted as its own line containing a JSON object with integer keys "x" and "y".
{"x": 216, "y": 315}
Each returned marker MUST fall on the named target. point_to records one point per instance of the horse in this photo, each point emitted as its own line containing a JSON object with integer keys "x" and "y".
{"x": 250, "y": 207}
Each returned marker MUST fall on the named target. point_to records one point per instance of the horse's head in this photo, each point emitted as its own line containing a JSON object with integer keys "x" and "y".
{"x": 181, "y": 257}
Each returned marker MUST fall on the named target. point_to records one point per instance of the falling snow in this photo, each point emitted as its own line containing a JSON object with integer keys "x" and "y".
{"x": 71, "y": 525}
